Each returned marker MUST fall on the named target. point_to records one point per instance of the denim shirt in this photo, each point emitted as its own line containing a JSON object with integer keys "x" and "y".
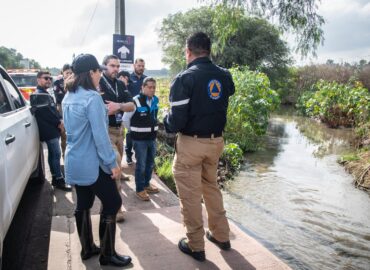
{"x": 88, "y": 144}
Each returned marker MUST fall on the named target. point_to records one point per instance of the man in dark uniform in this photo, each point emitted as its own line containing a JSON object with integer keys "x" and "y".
{"x": 199, "y": 100}
{"x": 134, "y": 87}
{"x": 50, "y": 125}
{"x": 59, "y": 93}
{"x": 119, "y": 100}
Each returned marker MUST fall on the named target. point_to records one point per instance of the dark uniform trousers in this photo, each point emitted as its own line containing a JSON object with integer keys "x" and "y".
{"x": 195, "y": 172}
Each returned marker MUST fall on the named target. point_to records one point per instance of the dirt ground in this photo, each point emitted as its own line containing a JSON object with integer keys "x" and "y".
{"x": 360, "y": 169}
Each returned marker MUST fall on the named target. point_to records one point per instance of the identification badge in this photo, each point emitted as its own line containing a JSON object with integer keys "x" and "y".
{"x": 119, "y": 117}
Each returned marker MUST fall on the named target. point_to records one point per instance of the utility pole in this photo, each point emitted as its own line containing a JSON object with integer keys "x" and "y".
{"x": 120, "y": 20}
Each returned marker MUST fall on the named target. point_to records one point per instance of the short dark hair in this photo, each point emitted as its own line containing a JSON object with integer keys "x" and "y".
{"x": 109, "y": 57}
{"x": 139, "y": 60}
{"x": 123, "y": 73}
{"x": 199, "y": 43}
{"x": 82, "y": 79}
{"x": 42, "y": 72}
{"x": 66, "y": 67}
{"x": 149, "y": 79}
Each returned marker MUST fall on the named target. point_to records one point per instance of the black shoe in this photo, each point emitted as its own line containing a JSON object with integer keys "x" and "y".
{"x": 115, "y": 260}
{"x": 129, "y": 160}
{"x": 222, "y": 245}
{"x": 197, "y": 255}
{"x": 59, "y": 183}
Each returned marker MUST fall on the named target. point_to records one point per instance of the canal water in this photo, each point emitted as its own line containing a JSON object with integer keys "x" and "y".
{"x": 295, "y": 199}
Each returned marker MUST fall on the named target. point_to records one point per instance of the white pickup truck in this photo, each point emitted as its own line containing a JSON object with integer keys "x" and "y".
{"x": 21, "y": 155}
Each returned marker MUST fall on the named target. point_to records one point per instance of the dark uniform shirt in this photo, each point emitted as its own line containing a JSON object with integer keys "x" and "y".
{"x": 48, "y": 119}
{"x": 59, "y": 92}
{"x": 135, "y": 84}
{"x": 116, "y": 91}
{"x": 199, "y": 99}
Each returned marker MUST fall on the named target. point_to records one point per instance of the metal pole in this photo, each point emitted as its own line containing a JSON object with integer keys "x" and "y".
{"x": 117, "y": 18}
{"x": 122, "y": 18}
{"x": 120, "y": 22}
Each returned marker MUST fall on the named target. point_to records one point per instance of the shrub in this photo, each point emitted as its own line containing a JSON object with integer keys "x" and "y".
{"x": 337, "y": 104}
{"x": 233, "y": 156}
{"x": 249, "y": 108}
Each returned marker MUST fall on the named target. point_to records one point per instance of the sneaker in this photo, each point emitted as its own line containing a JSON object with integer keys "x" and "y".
{"x": 151, "y": 189}
{"x": 119, "y": 217}
{"x": 129, "y": 160}
{"x": 142, "y": 195}
{"x": 197, "y": 255}
{"x": 222, "y": 245}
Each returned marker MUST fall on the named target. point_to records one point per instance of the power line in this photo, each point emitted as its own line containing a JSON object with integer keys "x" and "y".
{"x": 88, "y": 26}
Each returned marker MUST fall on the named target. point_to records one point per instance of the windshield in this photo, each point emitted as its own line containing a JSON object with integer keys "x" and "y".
{"x": 22, "y": 80}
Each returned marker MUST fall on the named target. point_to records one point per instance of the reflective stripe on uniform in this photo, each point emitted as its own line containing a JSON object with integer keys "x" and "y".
{"x": 136, "y": 99}
{"x": 143, "y": 129}
{"x": 180, "y": 102}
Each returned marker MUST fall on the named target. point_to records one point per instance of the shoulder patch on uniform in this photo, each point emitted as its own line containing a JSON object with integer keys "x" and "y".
{"x": 214, "y": 89}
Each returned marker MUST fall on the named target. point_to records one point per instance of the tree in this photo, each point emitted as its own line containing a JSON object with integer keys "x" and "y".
{"x": 10, "y": 58}
{"x": 255, "y": 43}
{"x": 298, "y": 17}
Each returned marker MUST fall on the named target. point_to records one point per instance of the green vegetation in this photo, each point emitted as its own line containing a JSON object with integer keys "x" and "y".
{"x": 302, "y": 79}
{"x": 249, "y": 108}
{"x": 163, "y": 164}
{"x": 297, "y": 17}
{"x": 255, "y": 42}
{"x": 10, "y": 58}
{"x": 233, "y": 157}
{"x": 337, "y": 104}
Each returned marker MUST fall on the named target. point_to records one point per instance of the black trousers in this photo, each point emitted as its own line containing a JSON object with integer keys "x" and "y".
{"x": 105, "y": 189}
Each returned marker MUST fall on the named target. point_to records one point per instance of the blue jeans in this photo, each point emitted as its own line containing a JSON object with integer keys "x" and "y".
{"x": 145, "y": 154}
{"x": 128, "y": 145}
{"x": 54, "y": 155}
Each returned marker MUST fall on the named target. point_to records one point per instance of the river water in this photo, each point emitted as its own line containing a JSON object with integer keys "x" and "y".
{"x": 295, "y": 199}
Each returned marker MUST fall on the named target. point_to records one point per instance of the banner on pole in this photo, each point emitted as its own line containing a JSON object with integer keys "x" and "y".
{"x": 123, "y": 47}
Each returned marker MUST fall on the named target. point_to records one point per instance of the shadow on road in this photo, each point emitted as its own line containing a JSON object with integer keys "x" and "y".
{"x": 29, "y": 232}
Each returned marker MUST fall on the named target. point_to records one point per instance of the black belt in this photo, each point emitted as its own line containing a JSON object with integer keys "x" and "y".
{"x": 204, "y": 136}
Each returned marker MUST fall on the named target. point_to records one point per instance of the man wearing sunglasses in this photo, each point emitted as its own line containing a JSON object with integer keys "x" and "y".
{"x": 50, "y": 126}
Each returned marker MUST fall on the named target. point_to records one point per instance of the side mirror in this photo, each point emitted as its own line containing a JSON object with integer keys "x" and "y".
{"x": 40, "y": 100}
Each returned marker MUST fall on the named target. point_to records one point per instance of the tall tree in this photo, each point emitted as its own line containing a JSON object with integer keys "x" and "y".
{"x": 255, "y": 42}
{"x": 10, "y": 58}
{"x": 299, "y": 17}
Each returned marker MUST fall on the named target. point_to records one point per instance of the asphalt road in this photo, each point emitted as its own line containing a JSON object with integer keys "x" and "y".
{"x": 26, "y": 244}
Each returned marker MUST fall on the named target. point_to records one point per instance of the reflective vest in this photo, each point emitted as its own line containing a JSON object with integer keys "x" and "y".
{"x": 143, "y": 124}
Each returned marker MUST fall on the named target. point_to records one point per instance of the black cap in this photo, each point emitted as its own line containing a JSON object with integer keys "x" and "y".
{"x": 123, "y": 73}
{"x": 85, "y": 62}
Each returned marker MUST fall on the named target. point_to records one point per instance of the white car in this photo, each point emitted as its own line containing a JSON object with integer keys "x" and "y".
{"x": 21, "y": 155}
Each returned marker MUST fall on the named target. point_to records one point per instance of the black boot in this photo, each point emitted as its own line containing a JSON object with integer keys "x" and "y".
{"x": 60, "y": 183}
{"x": 83, "y": 223}
{"x": 107, "y": 234}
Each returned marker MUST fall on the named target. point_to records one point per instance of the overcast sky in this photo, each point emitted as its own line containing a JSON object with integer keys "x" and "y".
{"x": 51, "y": 31}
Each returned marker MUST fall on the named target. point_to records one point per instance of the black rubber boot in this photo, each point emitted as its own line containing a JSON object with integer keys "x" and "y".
{"x": 83, "y": 223}
{"x": 107, "y": 235}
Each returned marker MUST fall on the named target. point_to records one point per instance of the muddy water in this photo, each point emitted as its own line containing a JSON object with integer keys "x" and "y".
{"x": 295, "y": 198}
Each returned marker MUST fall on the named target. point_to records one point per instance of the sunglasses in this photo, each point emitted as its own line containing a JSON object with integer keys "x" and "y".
{"x": 47, "y": 78}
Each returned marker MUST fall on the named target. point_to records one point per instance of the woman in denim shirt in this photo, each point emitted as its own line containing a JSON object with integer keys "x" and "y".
{"x": 90, "y": 162}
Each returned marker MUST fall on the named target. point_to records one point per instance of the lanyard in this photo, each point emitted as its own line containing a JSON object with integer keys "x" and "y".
{"x": 115, "y": 91}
